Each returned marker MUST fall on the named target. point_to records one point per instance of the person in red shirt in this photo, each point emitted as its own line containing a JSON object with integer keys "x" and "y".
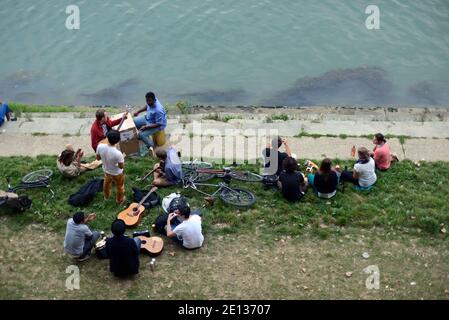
{"x": 101, "y": 127}
{"x": 381, "y": 153}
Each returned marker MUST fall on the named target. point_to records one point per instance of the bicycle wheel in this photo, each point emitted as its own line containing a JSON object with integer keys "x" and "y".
{"x": 237, "y": 197}
{"x": 193, "y": 165}
{"x": 246, "y": 176}
{"x": 37, "y": 176}
{"x": 195, "y": 176}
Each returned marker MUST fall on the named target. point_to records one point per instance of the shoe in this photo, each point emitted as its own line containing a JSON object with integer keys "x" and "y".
{"x": 83, "y": 258}
{"x": 122, "y": 202}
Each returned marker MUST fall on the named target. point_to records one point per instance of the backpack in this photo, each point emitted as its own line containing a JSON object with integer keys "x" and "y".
{"x": 14, "y": 201}
{"x": 270, "y": 181}
{"x": 171, "y": 202}
{"x": 20, "y": 203}
{"x": 87, "y": 193}
{"x": 152, "y": 201}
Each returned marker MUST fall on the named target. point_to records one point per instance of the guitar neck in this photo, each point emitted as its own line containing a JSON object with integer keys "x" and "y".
{"x": 146, "y": 197}
{"x": 128, "y": 111}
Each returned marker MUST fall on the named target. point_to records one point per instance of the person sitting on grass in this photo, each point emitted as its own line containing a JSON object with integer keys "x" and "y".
{"x": 325, "y": 181}
{"x": 79, "y": 240}
{"x": 113, "y": 164}
{"x": 291, "y": 182}
{"x": 69, "y": 162}
{"x": 364, "y": 174}
{"x": 381, "y": 153}
{"x": 169, "y": 169}
{"x": 123, "y": 252}
{"x": 274, "y": 158}
{"x": 5, "y": 112}
{"x": 153, "y": 121}
{"x": 188, "y": 233}
{"x": 101, "y": 126}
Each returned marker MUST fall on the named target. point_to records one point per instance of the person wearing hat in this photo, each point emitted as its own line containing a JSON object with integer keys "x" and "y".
{"x": 79, "y": 240}
{"x": 123, "y": 252}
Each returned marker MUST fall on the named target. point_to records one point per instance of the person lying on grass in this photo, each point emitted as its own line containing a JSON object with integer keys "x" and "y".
{"x": 381, "y": 154}
{"x": 325, "y": 181}
{"x": 169, "y": 169}
{"x": 274, "y": 158}
{"x": 113, "y": 164}
{"x": 291, "y": 182}
{"x": 188, "y": 233}
{"x": 364, "y": 174}
{"x": 123, "y": 252}
{"x": 70, "y": 165}
{"x": 79, "y": 240}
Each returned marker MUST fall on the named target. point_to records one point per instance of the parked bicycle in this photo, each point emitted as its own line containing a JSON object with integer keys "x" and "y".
{"x": 200, "y": 171}
{"x": 230, "y": 195}
{"x": 35, "y": 179}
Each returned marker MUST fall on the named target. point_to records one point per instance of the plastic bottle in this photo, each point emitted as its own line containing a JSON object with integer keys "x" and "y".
{"x": 152, "y": 264}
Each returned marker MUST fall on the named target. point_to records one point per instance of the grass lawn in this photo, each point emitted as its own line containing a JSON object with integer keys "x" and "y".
{"x": 272, "y": 250}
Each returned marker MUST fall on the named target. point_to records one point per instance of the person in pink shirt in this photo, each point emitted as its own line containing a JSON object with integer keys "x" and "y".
{"x": 381, "y": 153}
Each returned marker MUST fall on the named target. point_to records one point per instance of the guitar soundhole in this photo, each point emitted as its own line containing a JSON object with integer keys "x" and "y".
{"x": 135, "y": 209}
{"x": 144, "y": 241}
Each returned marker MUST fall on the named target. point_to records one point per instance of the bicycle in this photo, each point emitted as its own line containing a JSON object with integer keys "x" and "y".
{"x": 232, "y": 196}
{"x": 202, "y": 171}
{"x": 35, "y": 179}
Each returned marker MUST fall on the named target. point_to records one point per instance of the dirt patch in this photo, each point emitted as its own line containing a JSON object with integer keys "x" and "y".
{"x": 33, "y": 266}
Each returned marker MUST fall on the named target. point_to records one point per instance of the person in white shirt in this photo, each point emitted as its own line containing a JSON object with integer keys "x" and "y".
{"x": 364, "y": 173}
{"x": 188, "y": 232}
{"x": 113, "y": 164}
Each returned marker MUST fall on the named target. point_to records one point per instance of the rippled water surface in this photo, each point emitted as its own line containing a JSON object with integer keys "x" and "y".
{"x": 277, "y": 52}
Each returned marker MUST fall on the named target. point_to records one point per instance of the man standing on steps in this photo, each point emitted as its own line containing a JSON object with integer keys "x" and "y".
{"x": 153, "y": 121}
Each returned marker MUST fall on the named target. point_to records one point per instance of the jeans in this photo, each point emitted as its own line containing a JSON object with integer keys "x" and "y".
{"x": 145, "y": 135}
{"x": 138, "y": 242}
{"x": 4, "y": 109}
{"x": 89, "y": 243}
{"x": 348, "y": 176}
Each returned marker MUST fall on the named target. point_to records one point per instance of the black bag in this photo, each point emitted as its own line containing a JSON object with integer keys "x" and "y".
{"x": 152, "y": 201}
{"x": 20, "y": 203}
{"x": 270, "y": 181}
{"x": 176, "y": 202}
{"x": 87, "y": 193}
{"x": 160, "y": 224}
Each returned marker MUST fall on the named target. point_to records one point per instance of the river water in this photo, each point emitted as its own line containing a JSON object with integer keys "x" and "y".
{"x": 231, "y": 52}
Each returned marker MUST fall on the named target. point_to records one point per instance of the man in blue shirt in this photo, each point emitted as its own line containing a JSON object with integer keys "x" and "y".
{"x": 4, "y": 112}
{"x": 169, "y": 170}
{"x": 153, "y": 121}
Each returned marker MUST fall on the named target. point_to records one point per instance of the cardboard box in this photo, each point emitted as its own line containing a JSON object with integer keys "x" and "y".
{"x": 129, "y": 142}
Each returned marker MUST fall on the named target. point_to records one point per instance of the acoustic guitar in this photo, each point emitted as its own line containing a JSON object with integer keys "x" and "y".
{"x": 133, "y": 214}
{"x": 153, "y": 245}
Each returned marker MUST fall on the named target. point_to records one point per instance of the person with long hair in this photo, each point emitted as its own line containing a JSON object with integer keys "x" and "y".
{"x": 291, "y": 182}
{"x": 69, "y": 162}
{"x": 364, "y": 173}
{"x": 325, "y": 180}
{"x": 381, "y": 153}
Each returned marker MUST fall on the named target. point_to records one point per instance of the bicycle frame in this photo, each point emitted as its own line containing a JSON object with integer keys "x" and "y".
{"x": 25, "y": 186}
